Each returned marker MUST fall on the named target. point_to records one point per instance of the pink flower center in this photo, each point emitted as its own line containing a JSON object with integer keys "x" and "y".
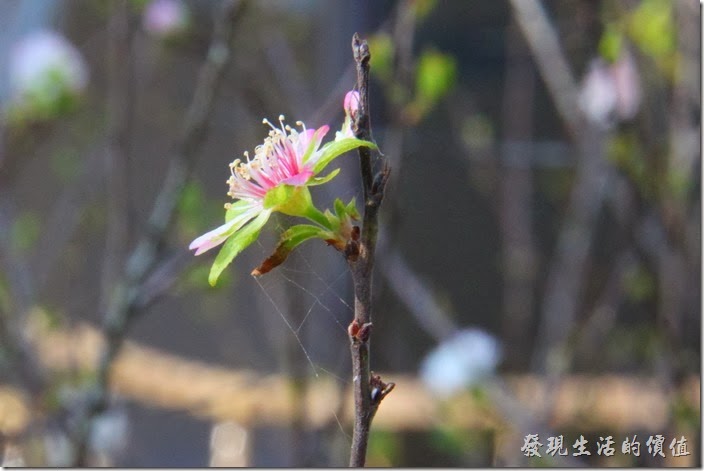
{"x": 279, "y": 160}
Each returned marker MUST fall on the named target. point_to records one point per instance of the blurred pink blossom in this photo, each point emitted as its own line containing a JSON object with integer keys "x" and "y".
{"x": 165, "y": 17}
{"x": 627, "y": 81}
{"x": 611, "y": 92}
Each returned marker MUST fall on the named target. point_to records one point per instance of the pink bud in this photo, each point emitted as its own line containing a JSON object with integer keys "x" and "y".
{"x": 351, "y": 103}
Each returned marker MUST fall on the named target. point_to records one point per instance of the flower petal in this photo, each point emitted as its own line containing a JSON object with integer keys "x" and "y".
{"x": 298, "y": 180}
{"x": 218, "y": 235}
{"x": 311, "y": 142}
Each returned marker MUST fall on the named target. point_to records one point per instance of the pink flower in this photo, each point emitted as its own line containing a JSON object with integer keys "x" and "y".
{"x": 287, "y": 157}
{"x": 284, "y": 158}
{"x": 275, "y": 179}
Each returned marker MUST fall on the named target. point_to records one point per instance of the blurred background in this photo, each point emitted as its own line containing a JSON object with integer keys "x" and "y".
{"x": 539, "y": 259}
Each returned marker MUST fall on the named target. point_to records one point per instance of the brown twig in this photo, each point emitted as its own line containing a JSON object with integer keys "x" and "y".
{"x": 369, "y": 390}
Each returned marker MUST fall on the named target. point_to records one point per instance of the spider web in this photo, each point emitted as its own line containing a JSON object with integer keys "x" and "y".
{"x": 321, "y": 301}
{"x": 325, "y": 299}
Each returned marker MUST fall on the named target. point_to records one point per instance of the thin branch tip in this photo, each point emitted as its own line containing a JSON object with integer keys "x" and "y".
{"x": 360, "y": 49}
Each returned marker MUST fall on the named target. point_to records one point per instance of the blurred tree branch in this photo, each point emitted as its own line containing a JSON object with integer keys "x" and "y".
{"x": 569, "y": 264}
{"x": 555, "y": 71}
{"x": 519, "y": 258}
{"x": 413, "y": 292}
{"x": 657, "y": 226}
{"x": 120, "y": 104}
{"x": 17, "y": 358}
{"x": 122, "y": 304}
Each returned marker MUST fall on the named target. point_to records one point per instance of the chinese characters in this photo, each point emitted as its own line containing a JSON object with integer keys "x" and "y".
{"x": 654, "y": 446}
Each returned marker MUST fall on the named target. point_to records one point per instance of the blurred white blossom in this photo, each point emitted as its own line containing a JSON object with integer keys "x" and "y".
{"x": 610, "y": 92}
{"x": 12, "y": 457}
{"x": 44, "y": 69}
{"x": 229, "y": 445}
{"x": 109, "y": 433}
{"x": 461, "y": 361}
{"x": 597, "y": 98}
{"x": 58, "y": 448}
{"x": 165, "y": 17}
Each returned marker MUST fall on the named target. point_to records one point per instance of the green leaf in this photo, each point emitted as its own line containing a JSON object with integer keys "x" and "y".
{"x": 292, "y": 238}
{"x": 236, "y": 244}
{"x": 334, "y": 221}
{"x": 191, "y": 206}
{"x": 320, "y": 180}
{"x": 4, "y": 296}
{"x": 334, "y": 149}
{"x": 295, "y": 235}
{"x": 611, "y": 43}
{"x": 25, "y": 231}
{"x": 652, "y": 27}
{"x": 382, "y": 49}
{"x": 385, "y": 449}
{"x": 340, "y": 209}
{"x": 436, "y": 75}
{"x": 351, "y": 209}
{"x": 423, "y": 8}
{"x": 191, "y": 200}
